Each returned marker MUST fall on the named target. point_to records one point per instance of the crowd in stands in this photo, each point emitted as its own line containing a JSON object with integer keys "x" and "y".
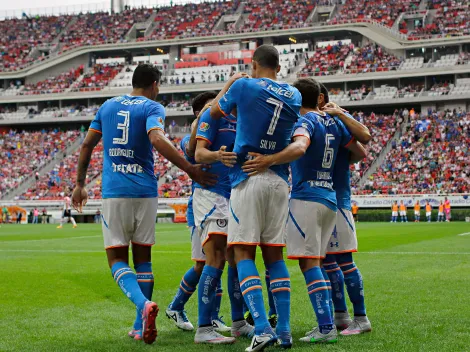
{"x": 431, "y": 157}
{"x": 383, "y": 11}
{"x": 98, "y": 77}
{"x": 326, "y": 60}
{"x": 451, "y": 19}
{"x": 22, "y": 154}
{"x": 277, "y": 14}
{"x": 371, "y": 58}
{"x": 53, "y": 84}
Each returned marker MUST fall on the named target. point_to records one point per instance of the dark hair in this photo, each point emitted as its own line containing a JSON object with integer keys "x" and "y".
{"x": 144, "y": 76}
{"x": 201, "y": 99}
{"x": 267, "y": 56}
{"x": 310, "y": 91}
{"x": 324, "y": 91}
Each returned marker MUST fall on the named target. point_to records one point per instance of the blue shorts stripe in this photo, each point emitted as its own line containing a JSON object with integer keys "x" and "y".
{"x": 104, "y": 221}
{"x": 207, "y": 215}
{"x": 233, "y": 214}
{"x": 346, "y": 218}
{"x": 296, "y": 225}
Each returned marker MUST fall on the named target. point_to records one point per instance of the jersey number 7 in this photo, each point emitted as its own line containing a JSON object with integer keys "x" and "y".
{"x": 124, "y": 126}
{"x": 277, "y": 112}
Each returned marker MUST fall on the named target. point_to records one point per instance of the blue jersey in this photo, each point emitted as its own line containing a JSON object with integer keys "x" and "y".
{"x": 218, "y": 133}
{"x": 128, "y": 167}
{"x": 342, "y": 178}
{"x": 189, "y": 212}
{"x": 312, "y": 174}
{"x": 266, "y": 113}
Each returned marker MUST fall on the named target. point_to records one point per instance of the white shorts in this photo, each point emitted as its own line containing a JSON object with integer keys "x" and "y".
{"x": 258, "y": 211}
{"x": 309, "y": 229}
{"x": 197, "y": 253}
{"x": 210, "y": 214}
{"x": 343, "y": 239}
{"x": 394, "y": 213}
{"x": 402, "y": 213}
{"x": 129, "y": 220}
{"x": 428, "y": 213}
{"x": 440, "y": 214}
{"x": 417, "y": 212}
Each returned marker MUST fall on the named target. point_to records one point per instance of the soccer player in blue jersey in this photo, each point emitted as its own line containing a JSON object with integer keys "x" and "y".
{"x": 215, "y": 139}
{"x": 339, "y": 263}
{"x": 130, "y": 125}
{"x": 266, "y": 113}
{"x": 187, "y": 287}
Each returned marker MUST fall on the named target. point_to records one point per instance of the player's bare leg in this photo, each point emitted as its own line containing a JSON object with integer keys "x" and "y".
{"x": 215, "y": 249}
{"x": 127, "y": 280}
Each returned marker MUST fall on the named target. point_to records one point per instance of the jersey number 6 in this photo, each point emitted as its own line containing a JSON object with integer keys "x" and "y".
{"x": 329, "y": 152}
{"x": 124, "y": 126}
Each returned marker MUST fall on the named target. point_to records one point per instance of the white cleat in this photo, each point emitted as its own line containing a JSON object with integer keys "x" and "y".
{"x": 207, "y": 334}
{"x": 315, "y": 336}
{"x": 242, "y": 328}
{"x": 180, "y": 319}
{"x": 260, "y": 342}
{"x": 342, "y": 320}
{"x": 358, "y": 326}
{"x": 220, "y": 326}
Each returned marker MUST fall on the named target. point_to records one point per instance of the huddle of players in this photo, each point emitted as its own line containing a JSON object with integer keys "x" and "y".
{"x": 442, "y": 215}
{"x": 249, "y": 206}
{"x": 254, "y": 128}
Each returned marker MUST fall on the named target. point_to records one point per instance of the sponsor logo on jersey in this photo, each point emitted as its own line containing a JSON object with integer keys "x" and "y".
{"x": 221, "y": 222}
{"x": 204, "y": 126}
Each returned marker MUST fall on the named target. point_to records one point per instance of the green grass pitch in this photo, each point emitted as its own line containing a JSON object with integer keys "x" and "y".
{"x": 57, "y": 293}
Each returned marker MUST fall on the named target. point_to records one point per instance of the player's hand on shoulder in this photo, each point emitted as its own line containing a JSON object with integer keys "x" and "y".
{"x": 201, "y": 176}
{"x": 227, "y": 158}
{"x": 238, "y": 75}
{"x": 258, "y": 164}
{"x": 79, "y": 198}
{"x": 333, "y": 109}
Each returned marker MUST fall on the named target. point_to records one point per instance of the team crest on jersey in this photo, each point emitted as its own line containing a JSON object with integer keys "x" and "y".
{"x": 204, "y": 126}
{"x": 160, "y": 120}
{"x": 304, "y": 125}
{"x": 221, "y": 222}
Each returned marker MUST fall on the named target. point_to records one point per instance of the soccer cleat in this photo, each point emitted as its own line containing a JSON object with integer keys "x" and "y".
{"x": 273, "y": 320}
{"x": 242, "y": 328}
{"x": 220, "y": 326}
{"x": 149, "y": 328}
{"x": 342, "y": 320}
{"x": 358, "y": 326}
{"x": 135, "y": 334}
{"x": 285, "y": 339}
{"x": 75, "y": 226}
{"x": 315, "y": 336}
{"x": 59, "y": 227}
{"x": 260, "y": 342}
{"x": 180, "y": 318}
{"x": 207, "y": 334}
{"x": 249, "y": 318}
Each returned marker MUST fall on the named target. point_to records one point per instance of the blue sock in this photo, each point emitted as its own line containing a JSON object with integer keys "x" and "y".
{"x": 217, "y": 301}
{"x": 146, "y": 281}
{"x": 406, "y": 218}
{"x": 330, "y": 293}
{"x": 353, "y": 281}
{"x": 127, "y": 281}
{"x": 280, "y": 288}
{"x": 318, "y": 293}
{"x": 272, "y": 306}
{"x": 236, "y": 299}
{"x": 250, "y": 285}
{"x": 187, "y": 288}
{"x": 337, "y": 283}
{"x": 208, "y": 282}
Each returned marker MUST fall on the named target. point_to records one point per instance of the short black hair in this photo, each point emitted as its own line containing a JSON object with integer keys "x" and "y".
{"x": 310, "y": 91}
{"x": 201, "y": 100}
{"x": 267, "y": 56}
{"x": 324, "y": 91}
{"x": 144, "y": 76}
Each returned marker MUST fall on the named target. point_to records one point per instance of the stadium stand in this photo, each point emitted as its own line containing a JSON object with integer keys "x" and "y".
{"x": 431, "y": 157}
{"x": 25, "y": 153}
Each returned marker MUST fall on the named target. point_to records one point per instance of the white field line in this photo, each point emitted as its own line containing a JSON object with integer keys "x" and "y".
{"x": 464, "y": 234}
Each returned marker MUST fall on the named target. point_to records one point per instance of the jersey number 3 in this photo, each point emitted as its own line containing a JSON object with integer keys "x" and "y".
{"x": 124, "y": 127}
{"x": 329, "y": 152}
{"x": 277, "y": 112}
